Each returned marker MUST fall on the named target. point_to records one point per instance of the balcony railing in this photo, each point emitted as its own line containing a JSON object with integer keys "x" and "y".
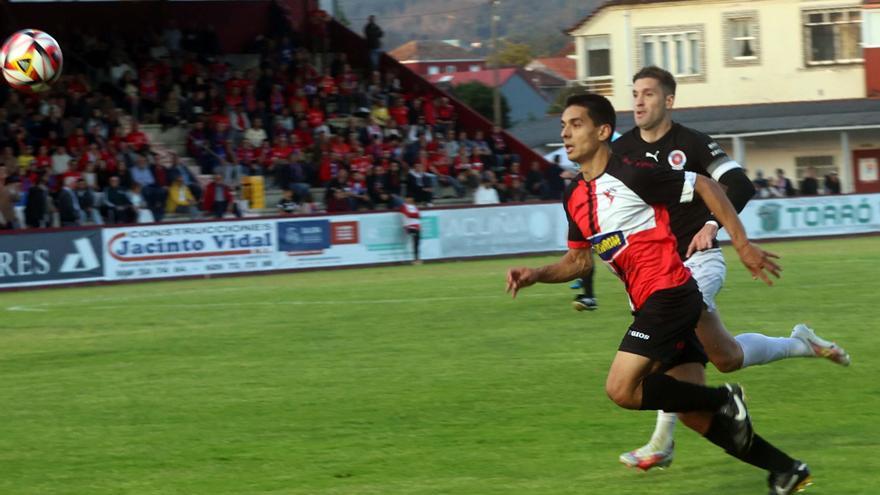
{"x": 599, "y": 85}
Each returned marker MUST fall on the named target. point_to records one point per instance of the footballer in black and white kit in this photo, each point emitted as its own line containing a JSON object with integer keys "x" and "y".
{"x": 669, "y": 144}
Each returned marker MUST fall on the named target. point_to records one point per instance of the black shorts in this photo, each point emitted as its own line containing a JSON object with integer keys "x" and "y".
{"x": 663, "y": 328}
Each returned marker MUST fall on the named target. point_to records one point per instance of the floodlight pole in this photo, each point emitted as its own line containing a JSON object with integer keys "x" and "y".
{"x": 496, "y": 95}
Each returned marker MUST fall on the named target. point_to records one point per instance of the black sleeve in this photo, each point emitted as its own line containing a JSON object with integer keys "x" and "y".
{"x": 739, "y": 188}
{"x": 657, "y": 185}
{"x": 711, "y": 158}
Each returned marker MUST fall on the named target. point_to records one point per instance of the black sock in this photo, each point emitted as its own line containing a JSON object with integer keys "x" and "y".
{"x": 661, "y": 391}
{"x": 761, "y": 454}
{"x": 587, "y": 284}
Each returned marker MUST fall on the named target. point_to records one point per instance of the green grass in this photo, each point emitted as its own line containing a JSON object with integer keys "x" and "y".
{"x": 408, "y": 380}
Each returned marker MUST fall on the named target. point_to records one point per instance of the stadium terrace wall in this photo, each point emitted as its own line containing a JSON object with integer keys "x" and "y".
{"x": 236, "y": 22}
{"x": 260, "y": 245}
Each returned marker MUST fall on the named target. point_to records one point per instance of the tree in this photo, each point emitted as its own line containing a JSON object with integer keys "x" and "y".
{"x": 512, "y": 54}
{"x": 340, "y": 15}
{"x": 479, "y": 97}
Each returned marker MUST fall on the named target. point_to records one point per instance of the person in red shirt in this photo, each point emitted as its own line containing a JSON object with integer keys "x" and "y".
{"x": 149, "y": 90}
{"x": 218, "y": 199}
{"x": 619, "y": 209}
{"x": 263, "y": 155}
{"x": 246, "y": 155}
{"x": 445, "y": 115}
{"x": 328, "y": 83}
{"x": 428, "y": 111}
{"x": 315, "y": 117}
{"x": 361, "y": 163}
{"x": 298, "y": 103}
{"x": 282, "y": 148}
{"x": 136, "y": 138}
{"x": 348, "y": 83}
{"x": 43, "y": 160}
{"x": 399, "y": 113}
{"x": 304, "y": 134}
{"x": 236, "y": 81}
{"x": 438, "y": 172}
{"x": 337, "y": 145}
{"x": 512, "y": 174}
{"x": 77, "y": 141}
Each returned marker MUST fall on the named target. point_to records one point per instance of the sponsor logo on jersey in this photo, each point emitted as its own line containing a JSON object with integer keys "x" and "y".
{"x": 640, "y": 335}
{"x": 655, "y": 155}
{"x": 677, "y": 159}
{"x": 607, "y": 245}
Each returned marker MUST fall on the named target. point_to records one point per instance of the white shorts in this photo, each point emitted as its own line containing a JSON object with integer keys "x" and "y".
{"x": 709, "y": 270}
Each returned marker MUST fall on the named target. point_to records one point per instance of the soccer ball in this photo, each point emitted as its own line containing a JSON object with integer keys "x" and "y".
{"x": 31, "y": 61}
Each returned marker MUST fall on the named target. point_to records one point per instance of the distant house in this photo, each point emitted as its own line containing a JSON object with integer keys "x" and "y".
{"x": 564, "y": 67}
{"x": 780, "y": 84}
{"x": 435, "y": 57}
{"x": 520, "y": 88}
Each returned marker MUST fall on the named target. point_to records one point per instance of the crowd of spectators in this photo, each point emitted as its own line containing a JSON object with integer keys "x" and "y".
{"x": 304, "y": 120}
{"x": 781, "y": 186}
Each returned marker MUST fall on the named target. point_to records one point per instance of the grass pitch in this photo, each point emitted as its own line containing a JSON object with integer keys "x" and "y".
{"x": 409, "y": 380}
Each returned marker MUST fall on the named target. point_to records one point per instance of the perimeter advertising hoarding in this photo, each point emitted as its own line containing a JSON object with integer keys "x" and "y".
{"x": 341, "y": 240}
{"x": 169, "y": 250}
{"x": 37, "y": 258}
{"x": 810, "y": 216}
{"x": 501, "y": 230}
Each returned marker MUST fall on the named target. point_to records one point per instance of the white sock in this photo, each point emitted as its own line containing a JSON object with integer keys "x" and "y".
{"x": 664, "y": 431}
{"x": 761, "y": 349}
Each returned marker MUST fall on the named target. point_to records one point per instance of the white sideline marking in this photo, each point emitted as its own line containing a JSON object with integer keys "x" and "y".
{"x": 30, "y": 309}
{"x": 44, "y": 307}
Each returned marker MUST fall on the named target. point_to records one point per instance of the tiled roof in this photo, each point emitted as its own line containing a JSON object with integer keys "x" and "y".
{"x": 562, "y": 67}
{"x": 426, "y": 50}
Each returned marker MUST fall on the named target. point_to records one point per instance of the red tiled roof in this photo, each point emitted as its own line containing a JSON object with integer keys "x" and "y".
{"x": 427, "y": 50}
{"x": 562, "y": 67}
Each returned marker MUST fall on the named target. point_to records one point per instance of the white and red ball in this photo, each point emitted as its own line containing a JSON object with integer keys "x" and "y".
{"x": 31, "y": 60}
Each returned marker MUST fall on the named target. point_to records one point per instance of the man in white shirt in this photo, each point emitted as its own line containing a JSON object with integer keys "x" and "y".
{"x": 256, "y": 134}
{"x": 486, "y": 194}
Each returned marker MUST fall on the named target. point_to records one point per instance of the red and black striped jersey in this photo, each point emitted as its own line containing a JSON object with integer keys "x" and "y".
{"x": 623, "y": 215}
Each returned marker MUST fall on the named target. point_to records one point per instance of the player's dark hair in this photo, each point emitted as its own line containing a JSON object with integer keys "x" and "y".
{"x": 664, "y": 77}
{"x": 600, "y": 110}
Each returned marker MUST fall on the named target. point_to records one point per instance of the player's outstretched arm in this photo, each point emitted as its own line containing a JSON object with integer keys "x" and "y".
{"x": 575, "y": 263}
{"x": 756, "y": 260}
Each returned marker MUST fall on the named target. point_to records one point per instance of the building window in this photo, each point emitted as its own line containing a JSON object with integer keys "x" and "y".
{"x": 871, "y": 29}
{"x": 823, "y": 165}
{"x": 475, "y": 68}
{"x": 832, "y": 36}
{"x": 597, "y": 50}
{"x": 433, "y": 69}
{"x": 677, "y": 49}
{"x": 742, "y": 38}
{"x": 450, "y": 69}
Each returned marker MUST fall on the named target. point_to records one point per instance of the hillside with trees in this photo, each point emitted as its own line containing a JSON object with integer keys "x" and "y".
{"x": 468, "y": 21}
